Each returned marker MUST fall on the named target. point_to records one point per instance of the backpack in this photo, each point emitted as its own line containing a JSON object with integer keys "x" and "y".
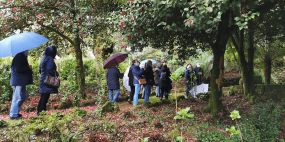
{"x": 163, "y": 76}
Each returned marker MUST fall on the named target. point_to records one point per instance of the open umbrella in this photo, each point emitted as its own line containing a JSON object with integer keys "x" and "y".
{"x": 145, "y": 61}
{"x": 118, "y": 57}
{"x": 20, "y": 42}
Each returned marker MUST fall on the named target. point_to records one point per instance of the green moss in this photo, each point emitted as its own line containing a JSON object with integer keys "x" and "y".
{"x": 156, "y": 104}
{"x": 108, "y": 107}
{"x": 116, "y": 107}
{"x": 147, "y": 104}
{"x": 3, "y": 123}
{"x": 180, "y": 98}
{"x": 153, "y": 93}
{"x": 241, "y": 81}
{"x": 138, "y": 107}
{"x": 66, "y": 104}
{"x": 232, "y": 91}
{"x": 176, "y": 134}
{"x": 165, "y": 101}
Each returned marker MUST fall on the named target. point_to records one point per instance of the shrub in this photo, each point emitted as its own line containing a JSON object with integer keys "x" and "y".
{"x": 147, "y": 104}
{"x": 2, "y": 123}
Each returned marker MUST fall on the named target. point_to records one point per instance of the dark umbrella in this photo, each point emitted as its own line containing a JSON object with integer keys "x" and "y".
{"x": 118, "y": 57}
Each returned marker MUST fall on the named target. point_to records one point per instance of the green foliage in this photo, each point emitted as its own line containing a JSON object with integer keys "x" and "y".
{"x": 57, "y": 125}
{"x": 175, "y": 77}
{"x": 80, "y": 112}
{"x": 176, "y": 133}
{"x": 138, "y": 107}
{"x": 233, "y": 131}
{"x": 165, "y": 101}
{"x": 235, "y": 114}
{"x": 116, "y": 107}
{"x": 180, "y": 98}
{"x": 183, "y": 114}
{"x": 180, "y": 71}
{"x": 3, "y": 123}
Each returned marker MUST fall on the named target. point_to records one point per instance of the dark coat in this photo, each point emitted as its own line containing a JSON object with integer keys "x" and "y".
{"x": 165, "y": 84}
{"x": 113, "y": 76}
{"x": 197, "y": 70}
{"x": 137, "y": 73}
{"x": 131, "y": 76}
{"x": 148, "y": 75}
{"x": 157, "y": 76}
{"x": 48, "y": 68}
{"x": 189, "y": 76}
{"x": 21, "y": 74}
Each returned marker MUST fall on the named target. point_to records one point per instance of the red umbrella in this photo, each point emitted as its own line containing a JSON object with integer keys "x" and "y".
{"x": 118, "y": 57}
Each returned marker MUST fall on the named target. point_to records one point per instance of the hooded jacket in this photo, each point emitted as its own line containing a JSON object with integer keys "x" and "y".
{"x": 48, "y": 68}
{"x": 21, "y": 74}
{"x": 165, "y": 84}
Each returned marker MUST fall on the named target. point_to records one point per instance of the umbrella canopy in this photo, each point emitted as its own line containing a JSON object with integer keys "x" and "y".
{"x": 118, "y": 57}
{"x": 145, "y": 61}
{"x": 20, "y": 42}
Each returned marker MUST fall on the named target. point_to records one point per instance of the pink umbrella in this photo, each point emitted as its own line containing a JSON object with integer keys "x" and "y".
{"x": 118, "y": 57}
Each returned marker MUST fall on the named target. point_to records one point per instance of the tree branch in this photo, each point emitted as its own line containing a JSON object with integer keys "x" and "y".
{"x": 234, "y": 42}
{"x": 59, "y": 33}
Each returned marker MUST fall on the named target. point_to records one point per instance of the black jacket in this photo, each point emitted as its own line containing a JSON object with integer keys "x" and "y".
{"x": 21, "y": 74}
{"x": 165, "y": 84}
{"x": 113, "y": 76}
{"x": 131, "y": 77}
{"x": 157, "y": 76}
{"x": 148, "y": 75}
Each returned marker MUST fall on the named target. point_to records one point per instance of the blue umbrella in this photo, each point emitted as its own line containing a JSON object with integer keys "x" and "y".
{"x": 145, "y": 61}
{"x": 20, "y": 42}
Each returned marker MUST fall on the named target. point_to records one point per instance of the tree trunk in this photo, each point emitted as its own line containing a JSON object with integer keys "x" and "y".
{"x": 80, "y": 73}
{"x": 267, "y": 69}
{"x": 250, "y": 61}
{"x": 217, "y": 74}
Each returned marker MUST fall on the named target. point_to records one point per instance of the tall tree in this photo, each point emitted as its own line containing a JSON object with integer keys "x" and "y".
{"x": 165, "y": 24}
{"x": 69, "y": 20}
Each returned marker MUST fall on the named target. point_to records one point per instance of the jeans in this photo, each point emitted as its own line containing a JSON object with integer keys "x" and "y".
{"x": 147, "y": 93}
{"x": 137, "y": 92}
{"x": 117, "y": 93}
{"x": 19, "y": 96}
{"x": 42, "y": 106}
{"x": 131, "y": 97}
{"x": 157, "y": 91}
{"x": 188, "y": 88}
{"x": 164, "y": 91}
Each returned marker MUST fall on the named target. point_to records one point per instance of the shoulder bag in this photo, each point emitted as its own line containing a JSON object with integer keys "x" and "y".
{"x": 141, "y": 81}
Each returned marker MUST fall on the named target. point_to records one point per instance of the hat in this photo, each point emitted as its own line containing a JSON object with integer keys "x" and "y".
{"x": 198, "y": 65}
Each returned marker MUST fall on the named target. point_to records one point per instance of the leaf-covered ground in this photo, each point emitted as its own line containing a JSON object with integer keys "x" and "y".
{"x": 133, "y": 124}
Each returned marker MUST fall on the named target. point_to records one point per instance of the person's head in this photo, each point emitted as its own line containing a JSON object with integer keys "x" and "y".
{"x": 189, "y": 66}
{"x": 51, "y": 51}
{"x": 115, "y": 64}
{"x": 136, "y": 62}
{"x": 164, "y": 63}
{"x": 198, "y": 65}
{"x": 149, "y": 62}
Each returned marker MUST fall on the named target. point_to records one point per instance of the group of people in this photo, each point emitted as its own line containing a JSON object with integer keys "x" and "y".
{"x": 22, "y": 75}
{"x": 193, "y": 77}
{"x": 160, "y": 78}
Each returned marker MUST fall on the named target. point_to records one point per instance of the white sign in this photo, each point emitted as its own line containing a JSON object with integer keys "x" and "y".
{"x": 203, "y": 88}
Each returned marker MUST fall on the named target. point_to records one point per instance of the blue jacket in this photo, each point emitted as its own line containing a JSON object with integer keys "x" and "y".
{"x": 21, "y": 74}
{"x": 137, "y": 73}
{"x": 48, "y": 68}
{"x": 113, "y": 76}
{"x": 197, "y": 70}
{"x": 148, "y": 74}
{"x": 189, "y": 76}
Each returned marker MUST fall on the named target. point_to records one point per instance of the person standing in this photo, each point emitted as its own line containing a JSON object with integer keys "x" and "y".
{"x": 157, "y": 78}
{"x": 165, "y": 82}
{"x": 47, "y": 68}
{"x": 199, "y": 73}
{"x": 149, "y": 78}
{"x": 189, "y": 74}
{"x": 21, "y": 76}
{"x": 113, "y": 76}
{"x": 137, "y": 73}
{"x": 131, "y": 82}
